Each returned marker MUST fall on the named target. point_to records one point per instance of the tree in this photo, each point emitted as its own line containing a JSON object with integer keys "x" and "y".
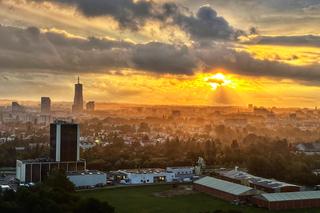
{"x": 58, "y": 180}
{"x": 93, "y": 205}
{"x": 54, "y": 196}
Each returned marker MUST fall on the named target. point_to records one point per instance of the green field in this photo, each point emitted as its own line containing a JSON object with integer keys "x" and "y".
{"x": 142, "y": 200}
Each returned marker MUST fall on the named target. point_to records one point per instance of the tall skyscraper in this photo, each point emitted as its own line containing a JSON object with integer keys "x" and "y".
{"x": 45, "y": 105}
{"x": 78, "y": 98}
{"x": 64, "y": 141}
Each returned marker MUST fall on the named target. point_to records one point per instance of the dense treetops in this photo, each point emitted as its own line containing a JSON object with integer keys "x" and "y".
{"x": 55, "y": 195}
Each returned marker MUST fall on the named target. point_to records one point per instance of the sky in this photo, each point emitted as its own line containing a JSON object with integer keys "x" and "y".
{"x": 179, "y": 52}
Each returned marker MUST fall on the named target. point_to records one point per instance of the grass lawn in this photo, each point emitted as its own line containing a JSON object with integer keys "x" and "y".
{"x": 142, "y": 200}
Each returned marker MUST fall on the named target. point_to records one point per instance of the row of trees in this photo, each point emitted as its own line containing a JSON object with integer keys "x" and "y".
{"x": 262, "y": 156}
{"x": 9, "y": 154}
{"x": 55, "y": 195}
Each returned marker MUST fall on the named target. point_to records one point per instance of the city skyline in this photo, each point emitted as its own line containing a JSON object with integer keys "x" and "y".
{"x": 160, "y": 52}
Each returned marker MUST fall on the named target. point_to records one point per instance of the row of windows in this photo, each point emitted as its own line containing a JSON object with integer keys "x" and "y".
{"x": 186, "y": 172}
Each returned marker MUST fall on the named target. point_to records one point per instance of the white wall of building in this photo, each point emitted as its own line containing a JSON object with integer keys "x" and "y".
{"x": 140, "y": 178}
{"x": 20, "y": 171}
{"x": 87, "y": 179}
{"x": 181, "y": 171}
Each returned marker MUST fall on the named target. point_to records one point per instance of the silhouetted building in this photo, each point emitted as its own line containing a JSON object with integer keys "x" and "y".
{"x": 64, "y": 141}
{"x": 90, "y": 106}
{"x": 176, "y": 113}
{"x": 45, "y": 105}
{"x": 15, "y": 107}
{"x": 78, "y": 98}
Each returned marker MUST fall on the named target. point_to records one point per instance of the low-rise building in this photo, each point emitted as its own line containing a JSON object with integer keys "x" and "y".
{"x": 308, "y": 148}
{"x": 142, "y": 176}
{"x": 223, "y": 189}
{"x": 288, "y": 200}
{"x": 182, "y": 172}
{"x": 87, "y": 178}
{"x": 259, "y": 183}
{"x": 37, "y": 170}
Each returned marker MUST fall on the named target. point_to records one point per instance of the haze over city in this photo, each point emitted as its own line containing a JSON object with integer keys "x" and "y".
{"x": 159, "y": 106}
{"x": 160, "y": 52}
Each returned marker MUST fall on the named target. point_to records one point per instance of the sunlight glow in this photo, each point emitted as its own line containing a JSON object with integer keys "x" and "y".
{"x": 218, "y": 80}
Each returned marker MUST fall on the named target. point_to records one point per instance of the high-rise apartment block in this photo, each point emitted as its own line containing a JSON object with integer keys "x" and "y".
{"x": 64, "y": 141}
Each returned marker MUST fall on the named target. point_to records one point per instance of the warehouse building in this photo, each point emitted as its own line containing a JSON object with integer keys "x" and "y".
{"x": 224, "y": 190}
{"x": 87, "y": 178}
{"x": 288, "y": 200}
{"x": 259, "y": 183}
{"x": 141, "y": 176}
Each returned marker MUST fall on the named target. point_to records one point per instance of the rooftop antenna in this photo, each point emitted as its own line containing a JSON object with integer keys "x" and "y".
{"x": 78, "y": 80}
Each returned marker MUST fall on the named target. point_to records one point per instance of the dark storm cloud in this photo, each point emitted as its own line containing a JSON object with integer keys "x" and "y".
{"x": 206, "y": 24}
{"x": 130, "y": 14}
{"x": 161, "y": 57}
{"x": 266, "y": 5}
{"x": 244, "y": 64}
{"x": 304, "y": 40}
{"x": 22, "y": 50}
{"x": 31, "y": 49}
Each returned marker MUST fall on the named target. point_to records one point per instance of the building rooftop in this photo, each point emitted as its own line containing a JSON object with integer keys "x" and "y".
{"x": 225, "y": 186}
{"x": 57, "y": 121}
{"x": 142, "y": 171}
{"x": 87, "y": 172}
{"x": 43, "y": 160}
{"x": 286, "y": 196}
{"x": 240, "y": 175}
{"x": 180, "y": 167}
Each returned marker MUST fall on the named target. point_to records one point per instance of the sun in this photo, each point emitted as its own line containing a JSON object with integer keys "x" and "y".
{"x": 218, "y": 80}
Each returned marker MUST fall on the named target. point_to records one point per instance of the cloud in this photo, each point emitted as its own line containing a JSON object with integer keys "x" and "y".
{"x": 161, "y": 58}
{"x": 132, "y": 15}
{"x": 129, "y": 14}
{"x": 303, "y": 40}
{"x": 31, "y": 49}
{"x": 244, "y": 64}
{"x": 206, "y": 24}
{"x": 51, "y": 52}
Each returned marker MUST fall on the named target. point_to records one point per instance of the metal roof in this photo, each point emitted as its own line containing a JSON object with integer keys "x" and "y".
{"x": 240, "y": 175}
{"x": 286, "y": 196}
{"x": 225, "y": 186}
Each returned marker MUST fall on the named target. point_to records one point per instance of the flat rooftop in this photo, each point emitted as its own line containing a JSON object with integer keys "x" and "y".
{"x": 46, "y": 160}
{"x": 141, "y": 171}
{"x": 180, "y": 167}
{"x": 86, "y": 172}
